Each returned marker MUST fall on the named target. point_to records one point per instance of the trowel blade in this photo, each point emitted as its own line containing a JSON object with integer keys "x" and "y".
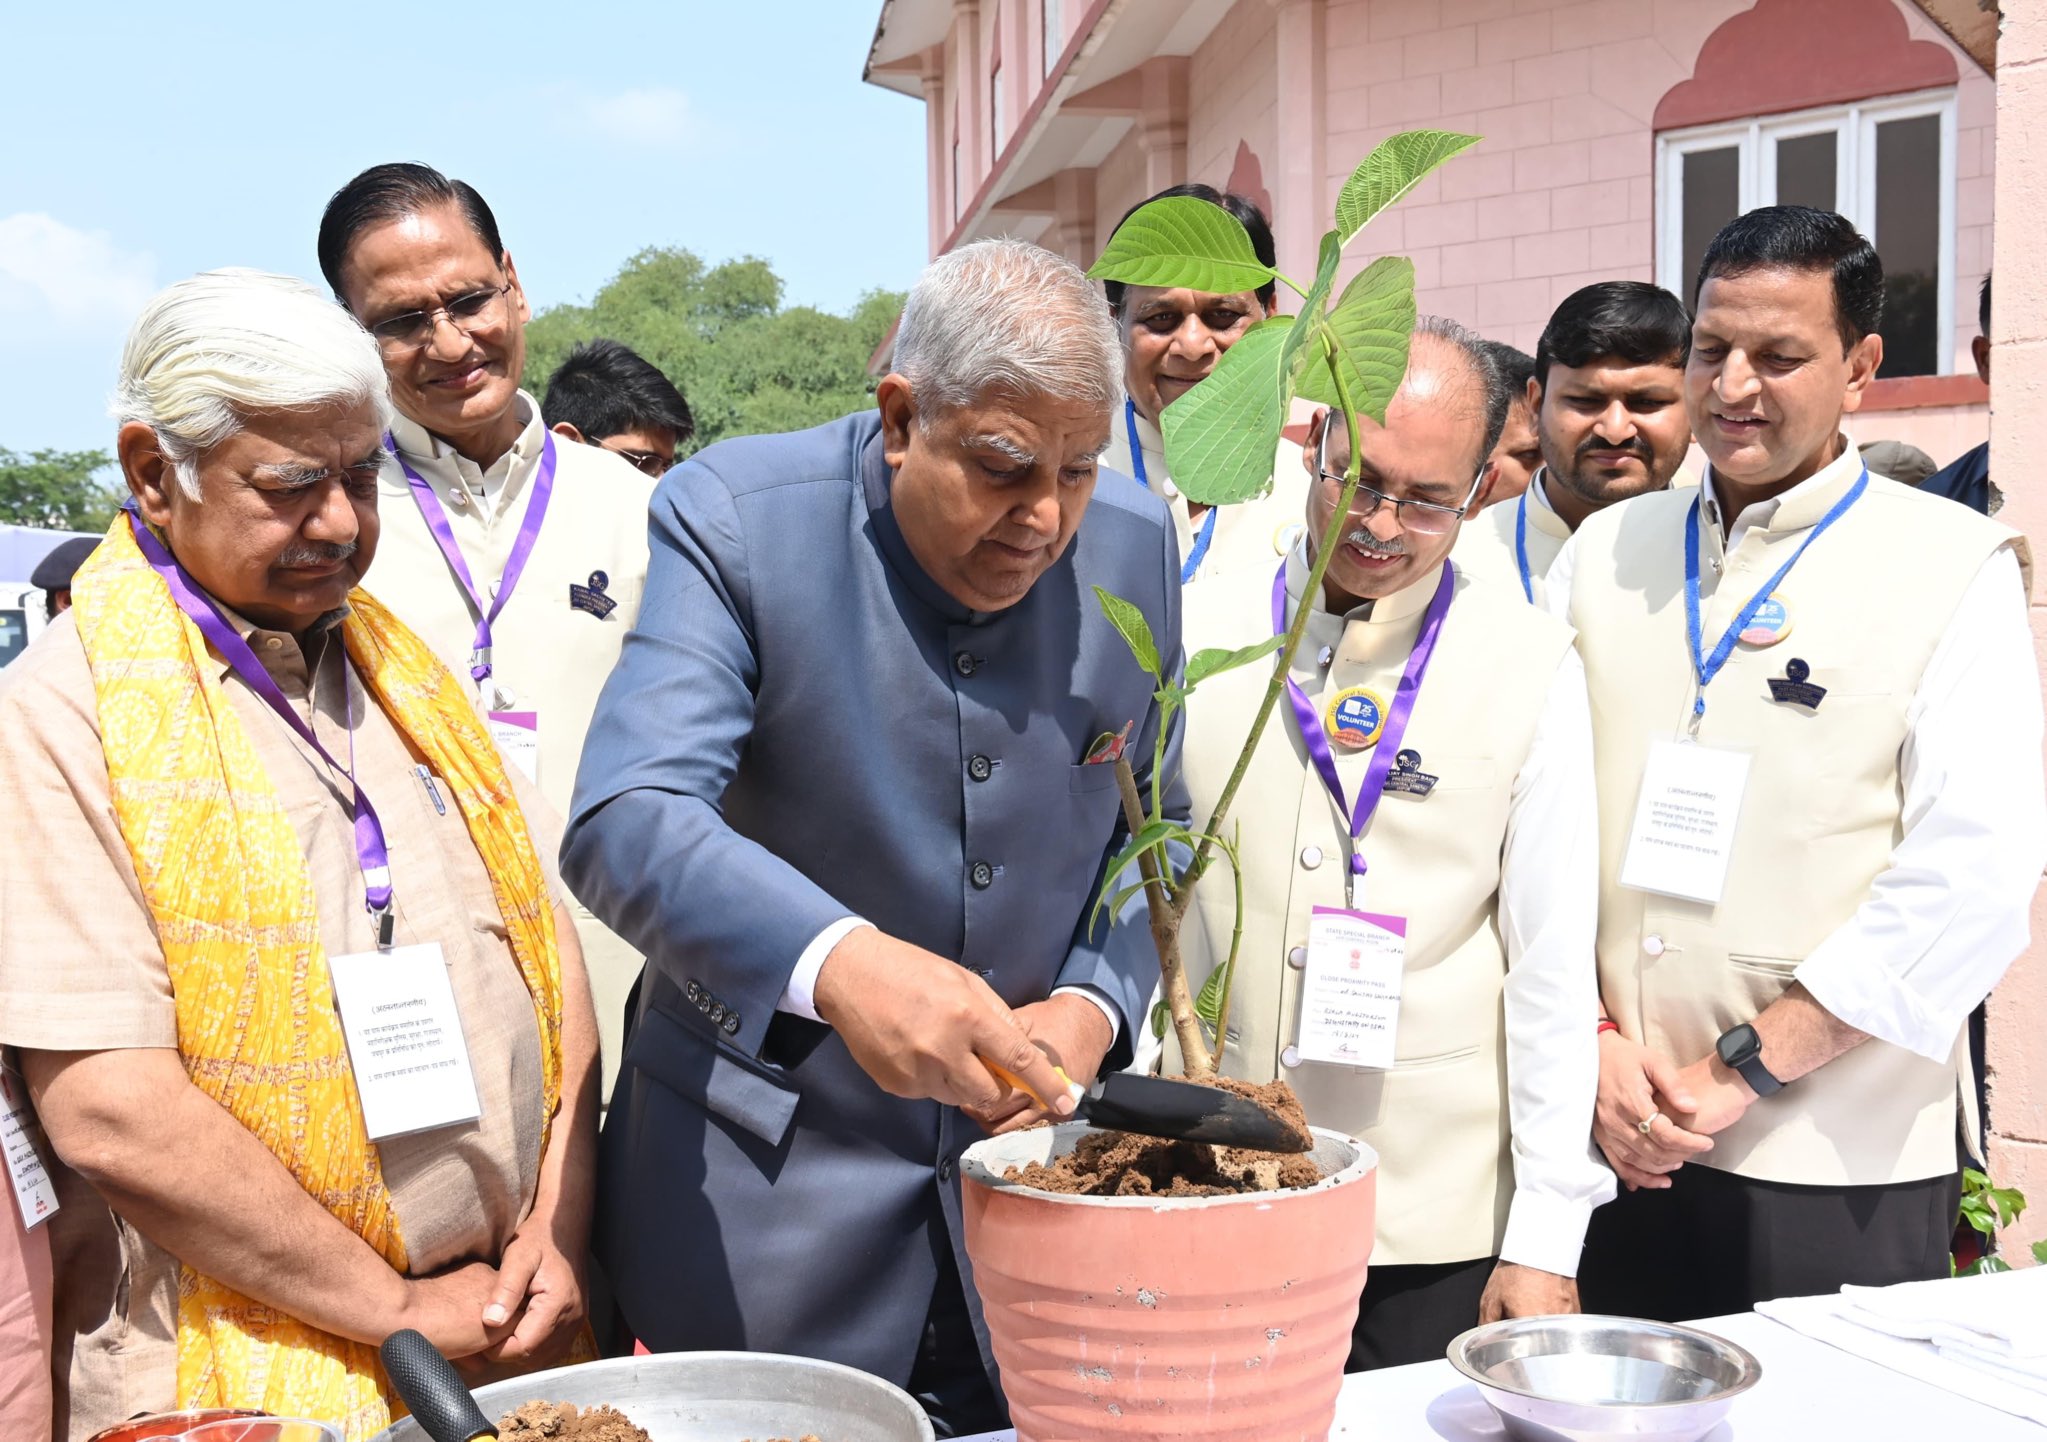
{"x": 1187, "y": 1111}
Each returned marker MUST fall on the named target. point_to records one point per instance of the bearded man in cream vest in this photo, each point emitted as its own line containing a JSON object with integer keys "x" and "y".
{"x": 519, "y": 560}
{"x": 1473, "y": 891}
{"x": 1172, "y": 340}
{"x": 1817, "y": 722}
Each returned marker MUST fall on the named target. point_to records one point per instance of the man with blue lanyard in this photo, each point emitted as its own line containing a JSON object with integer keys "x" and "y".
{"x": 1817, "y": 723}
{"x": 1172, "y": 339}
{"x": 1608, "y": 400}
{"x": 519, "y": 559}
{"x": 1419, "y": 851}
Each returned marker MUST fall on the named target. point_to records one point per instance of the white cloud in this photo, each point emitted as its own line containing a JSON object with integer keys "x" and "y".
{"x": 73, "y": 275}
{"x": 646, "y": 117}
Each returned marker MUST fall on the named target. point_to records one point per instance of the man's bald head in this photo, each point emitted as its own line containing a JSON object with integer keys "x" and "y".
{"x": 1441, "y": 425}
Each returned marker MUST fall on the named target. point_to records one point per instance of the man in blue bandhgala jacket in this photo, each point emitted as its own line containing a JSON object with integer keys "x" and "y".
{"x": 850, "y": 791}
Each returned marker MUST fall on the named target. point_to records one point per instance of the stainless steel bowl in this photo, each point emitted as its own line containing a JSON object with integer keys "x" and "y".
{"x": 717, "y": 1397}
{"x": 1603, "y": 1379}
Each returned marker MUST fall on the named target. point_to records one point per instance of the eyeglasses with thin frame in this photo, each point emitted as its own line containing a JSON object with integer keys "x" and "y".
{"x": 469, "y": 312}
{"x": 650, "y": 463}
{"x": 1425, "y": 518}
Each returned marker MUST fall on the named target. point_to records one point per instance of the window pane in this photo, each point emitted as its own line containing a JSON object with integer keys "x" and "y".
{"x": 1055, "y": 34}
{"x": 1908, "y": 239}
{"x": 996, "y": 127}
{"x": 1805, "y": 170}
{"x": 1712, "y": 191}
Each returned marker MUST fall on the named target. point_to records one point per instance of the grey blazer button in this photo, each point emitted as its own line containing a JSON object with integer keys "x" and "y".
{"x": 982, "y": 875}
{"x": 732, "y": 1023}
{"x": 980, "y": 767}
{"x": 965, "y": 662}
{"x": 945, "y": 1170}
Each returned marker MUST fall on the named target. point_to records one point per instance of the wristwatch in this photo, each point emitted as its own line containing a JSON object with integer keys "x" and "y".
{"x": 1741, "y": 1050}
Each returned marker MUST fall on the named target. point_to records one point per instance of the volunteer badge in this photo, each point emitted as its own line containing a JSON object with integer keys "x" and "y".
{"x": 1770, "y": 624}
{"x": 1355, "y": 718}
{"x": 591, "y": 598}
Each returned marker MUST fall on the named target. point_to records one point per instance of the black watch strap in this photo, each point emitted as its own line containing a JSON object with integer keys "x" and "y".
{"x": 1741, "y": 1049}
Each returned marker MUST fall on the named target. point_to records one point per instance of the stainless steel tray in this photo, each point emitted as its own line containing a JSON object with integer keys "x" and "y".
{"x": 717, "y": 1397}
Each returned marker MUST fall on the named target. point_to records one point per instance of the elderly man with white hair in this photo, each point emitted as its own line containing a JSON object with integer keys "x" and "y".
{"x": 850, "y": 791}
{"x": 293, "y": 985}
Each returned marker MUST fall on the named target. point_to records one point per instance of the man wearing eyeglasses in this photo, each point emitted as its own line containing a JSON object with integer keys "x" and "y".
{"x": 606, "y": 394}
{"x": 1419, "y": 856}
{"x": 518, "y": 557}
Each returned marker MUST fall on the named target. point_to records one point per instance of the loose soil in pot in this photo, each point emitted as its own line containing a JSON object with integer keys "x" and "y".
{"x": 1123, "y": 1164}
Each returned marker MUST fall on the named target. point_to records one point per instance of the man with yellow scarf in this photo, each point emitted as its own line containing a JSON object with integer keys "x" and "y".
{"x": 282, "y": 945}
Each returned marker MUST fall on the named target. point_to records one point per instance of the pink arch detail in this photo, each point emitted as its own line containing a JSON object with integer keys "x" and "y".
{"x": 1795, "y": 54}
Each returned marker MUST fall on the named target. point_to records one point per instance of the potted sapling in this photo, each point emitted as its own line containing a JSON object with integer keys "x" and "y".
{"x": 1225, "y": 1314}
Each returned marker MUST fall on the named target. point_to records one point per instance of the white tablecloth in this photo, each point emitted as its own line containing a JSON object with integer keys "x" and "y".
{"x": 1809, "y": 1391}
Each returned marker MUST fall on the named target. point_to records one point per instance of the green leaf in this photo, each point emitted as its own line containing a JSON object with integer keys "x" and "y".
{"x": 1131, "y": 625}
{"x": 1213, "y": 660}
{"x": 1183, "y": 241}
{"x": 2040, "y": 1253}
{"x": 1222, "y": 436}
{"x": 1208, "y": 1003}
{"x": 1367, "y": 339}
{"x": 1394, "y": 168}
{"x": 1155, "y": 834}
{"x": 2009, "y": 1204}
{"x": 1299, "y": 350}
{"x": 1161, "y": 1018}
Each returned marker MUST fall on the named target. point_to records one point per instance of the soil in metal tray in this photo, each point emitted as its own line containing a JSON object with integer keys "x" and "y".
{"x": 565, "y": 1422}
{"x": 1123, "y": 1164}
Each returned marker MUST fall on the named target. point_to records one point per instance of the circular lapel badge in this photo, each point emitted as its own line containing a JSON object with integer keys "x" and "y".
{"x": 1771, "y": 624}
{"x": 1283, "y": 539}
{"x": 1355, "y": 718}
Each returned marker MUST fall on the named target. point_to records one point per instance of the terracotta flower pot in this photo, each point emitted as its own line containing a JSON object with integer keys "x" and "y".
{"x": 1225, "y": 1318}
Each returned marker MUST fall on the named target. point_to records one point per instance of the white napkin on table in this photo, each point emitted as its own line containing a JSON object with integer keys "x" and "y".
{"x": 1981, "y": 1337}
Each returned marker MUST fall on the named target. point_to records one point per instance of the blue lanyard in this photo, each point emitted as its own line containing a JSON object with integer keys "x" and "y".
{"x": 1207, "y": 531}
{"x": 1705, "y": 667}
{"x": 1521, "y": 547}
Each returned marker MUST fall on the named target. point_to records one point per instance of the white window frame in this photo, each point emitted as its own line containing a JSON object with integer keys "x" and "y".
{"x": 1854, "y": 182}
{"x": 1051, "y": 35}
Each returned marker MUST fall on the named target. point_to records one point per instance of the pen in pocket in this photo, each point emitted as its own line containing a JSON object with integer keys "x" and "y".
{"x": 433, "y": 792}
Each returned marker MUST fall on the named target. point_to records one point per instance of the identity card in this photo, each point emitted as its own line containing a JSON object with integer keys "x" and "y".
{"x": 1683, "y": 834}
{"x": 404, "y": 1040}
{"x": 1350, "y": 992}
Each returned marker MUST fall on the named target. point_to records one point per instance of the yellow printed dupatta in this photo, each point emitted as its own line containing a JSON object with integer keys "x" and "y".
{"x": 226, "y": 882}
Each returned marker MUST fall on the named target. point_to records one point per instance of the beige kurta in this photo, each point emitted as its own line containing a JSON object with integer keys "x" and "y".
{"x": 80, "y": 970}
{"x": 548, "y": 655}
{"x": 1487, "y": 549}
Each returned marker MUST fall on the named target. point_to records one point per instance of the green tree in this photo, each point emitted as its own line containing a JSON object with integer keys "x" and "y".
{"x": 57, "y": 490}
{"x": 746, "y": 363}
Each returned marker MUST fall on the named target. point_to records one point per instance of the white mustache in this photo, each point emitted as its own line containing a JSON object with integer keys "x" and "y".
{"x": 1365, "y": 541}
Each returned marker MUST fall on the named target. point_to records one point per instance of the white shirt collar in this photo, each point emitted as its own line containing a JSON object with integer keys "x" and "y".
{"x": 1838, "y": 472}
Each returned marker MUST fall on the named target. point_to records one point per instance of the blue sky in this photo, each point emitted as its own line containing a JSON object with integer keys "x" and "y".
{"x": 143, "y": 142}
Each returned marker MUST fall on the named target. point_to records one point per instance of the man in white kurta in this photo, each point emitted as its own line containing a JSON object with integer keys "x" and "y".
{"x": 552, "y": 535}
{"x": 1608, "y": 401}
{"x": 1848, "y": 739}
{"x": 1476, "y": 1087}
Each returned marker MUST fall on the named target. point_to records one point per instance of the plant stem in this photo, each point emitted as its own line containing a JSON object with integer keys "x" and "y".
{"x": 1222, "y": 1004}
{"x": 1165, "y": 936}
{"x": 1285, "y": 656}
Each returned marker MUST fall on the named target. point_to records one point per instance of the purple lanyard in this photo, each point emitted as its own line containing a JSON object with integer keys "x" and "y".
{"x": 370, "y": 851}
{"x": 522, "y": 544}
{"x": 1316, "y": 739}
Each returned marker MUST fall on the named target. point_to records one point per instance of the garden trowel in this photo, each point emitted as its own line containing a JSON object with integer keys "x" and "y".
{"x": 1177, "y": 1110}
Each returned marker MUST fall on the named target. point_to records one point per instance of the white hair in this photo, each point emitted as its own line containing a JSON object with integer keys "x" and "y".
{"x": 209, "y": 352}
{"x": 1006, "y": 316}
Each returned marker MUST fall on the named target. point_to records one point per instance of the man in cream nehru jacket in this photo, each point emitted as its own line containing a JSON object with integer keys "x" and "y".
{"x": 1816, "y": 715}
{"x": 1436, "y": 731}
{"x": 1608, "y": 400}
{"x": 520, "y": 560}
